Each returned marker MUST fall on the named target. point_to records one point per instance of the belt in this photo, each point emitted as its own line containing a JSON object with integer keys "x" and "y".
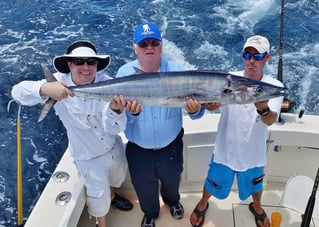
{"x": 180, "y": 134}
{"x": 146, "y": 149}
{"x": 155, "y": 149}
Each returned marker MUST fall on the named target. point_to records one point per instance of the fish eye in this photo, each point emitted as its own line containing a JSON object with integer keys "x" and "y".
{"x": 259, "y": 89}
{"x": 227, "y": 90}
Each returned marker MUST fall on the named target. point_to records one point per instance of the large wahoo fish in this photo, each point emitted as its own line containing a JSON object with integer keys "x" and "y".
{"x": 171, "y": 89}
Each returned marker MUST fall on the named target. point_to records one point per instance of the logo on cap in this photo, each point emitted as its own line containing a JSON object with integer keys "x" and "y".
{"x": 147, "y": 30}
{"x": 257, "y": 40}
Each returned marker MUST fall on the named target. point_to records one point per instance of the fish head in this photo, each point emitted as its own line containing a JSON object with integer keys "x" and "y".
{"x": 250, "y": 91}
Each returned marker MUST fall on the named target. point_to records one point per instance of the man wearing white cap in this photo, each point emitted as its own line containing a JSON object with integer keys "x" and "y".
{"x": 240, "y": 146}
{"x": 92, "y": 125}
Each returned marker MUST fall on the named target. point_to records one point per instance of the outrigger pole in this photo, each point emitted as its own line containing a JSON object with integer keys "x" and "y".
{"x": 19, "y": 169}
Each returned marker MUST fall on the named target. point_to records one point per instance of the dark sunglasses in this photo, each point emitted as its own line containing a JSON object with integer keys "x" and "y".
{"x": 257, "y": 57}
{"x": 152, "y": 42}
{"x": 81, "y": 61}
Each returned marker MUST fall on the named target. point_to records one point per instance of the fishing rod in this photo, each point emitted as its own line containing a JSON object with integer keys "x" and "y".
{"x": 306, "y": 217}
{"x": 287, "y": 104}
{"x": 281, "y": 42}
{"x": 19, "y": 168}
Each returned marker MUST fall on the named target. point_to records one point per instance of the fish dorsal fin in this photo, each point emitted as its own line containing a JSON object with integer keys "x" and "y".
{"x": 138, "y": 71}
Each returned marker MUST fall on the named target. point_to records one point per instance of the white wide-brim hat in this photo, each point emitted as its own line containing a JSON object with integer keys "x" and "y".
{"x": 81, "y": 49}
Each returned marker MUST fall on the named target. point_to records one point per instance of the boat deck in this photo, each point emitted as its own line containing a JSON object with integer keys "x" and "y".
{"x": 221, "y": 213}
{"x": 293, "y": 149}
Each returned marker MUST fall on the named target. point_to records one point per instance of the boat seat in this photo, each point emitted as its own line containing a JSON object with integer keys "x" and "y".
{"x": 296, "y": 194}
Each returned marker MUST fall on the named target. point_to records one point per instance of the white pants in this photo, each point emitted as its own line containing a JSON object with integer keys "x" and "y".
{"x": 99, "y": 174}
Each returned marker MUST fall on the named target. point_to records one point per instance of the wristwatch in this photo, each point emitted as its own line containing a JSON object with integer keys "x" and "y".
{"x": 264, "y": 112}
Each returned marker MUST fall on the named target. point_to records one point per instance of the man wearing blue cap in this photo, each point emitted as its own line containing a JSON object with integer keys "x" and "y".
{"x": 155, "y": 147}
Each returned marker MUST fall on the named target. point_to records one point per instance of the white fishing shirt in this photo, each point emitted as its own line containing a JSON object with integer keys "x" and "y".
{"x": 91, "y": 124}
{"x": 241, "y": 136}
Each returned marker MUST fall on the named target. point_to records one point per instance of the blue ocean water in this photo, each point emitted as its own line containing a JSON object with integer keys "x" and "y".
{"x": 199, "y": 34}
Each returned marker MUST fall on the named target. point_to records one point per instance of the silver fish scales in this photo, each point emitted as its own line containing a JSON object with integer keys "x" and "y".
{"x": 171, "y": 89}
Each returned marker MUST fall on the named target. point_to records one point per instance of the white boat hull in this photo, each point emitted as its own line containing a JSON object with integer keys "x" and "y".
{"x": 293, "y": 149}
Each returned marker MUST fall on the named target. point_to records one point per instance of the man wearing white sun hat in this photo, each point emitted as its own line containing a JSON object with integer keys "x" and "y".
{"x": 92, "y": 125}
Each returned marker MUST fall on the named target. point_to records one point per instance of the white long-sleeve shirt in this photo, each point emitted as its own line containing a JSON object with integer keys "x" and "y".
{"x": 91, "y": 124}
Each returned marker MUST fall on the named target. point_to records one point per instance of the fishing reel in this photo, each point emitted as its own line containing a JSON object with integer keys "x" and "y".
{"x": 287, "y": 105}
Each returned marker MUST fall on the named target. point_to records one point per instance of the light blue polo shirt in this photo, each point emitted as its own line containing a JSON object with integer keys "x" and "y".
{"x": 155, "y": 127}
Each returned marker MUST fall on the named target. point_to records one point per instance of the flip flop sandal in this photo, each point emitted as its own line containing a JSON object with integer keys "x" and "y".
{"x": 200, "y": 214}
{"x": 260, "y": 217}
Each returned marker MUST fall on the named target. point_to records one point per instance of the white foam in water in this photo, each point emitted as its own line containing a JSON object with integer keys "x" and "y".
{"x": 206, "y": 35}
{"x": 251, "y": 13}
{"x": 171, "y": 51}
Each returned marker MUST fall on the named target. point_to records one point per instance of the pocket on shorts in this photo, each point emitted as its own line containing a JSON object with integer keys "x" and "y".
{"x": 118, "y": 169}
{"x": 258, "y": 180}
{"x": 94, "y": 192}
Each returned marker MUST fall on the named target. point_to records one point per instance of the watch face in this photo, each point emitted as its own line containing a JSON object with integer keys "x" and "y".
{"x": 264, "y": 112}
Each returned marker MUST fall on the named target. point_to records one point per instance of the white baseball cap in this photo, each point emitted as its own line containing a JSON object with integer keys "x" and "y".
{"x": 260, "y": 43}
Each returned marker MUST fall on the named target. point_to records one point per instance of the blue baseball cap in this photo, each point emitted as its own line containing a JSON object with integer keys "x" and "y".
{"x": 146, "y": 31}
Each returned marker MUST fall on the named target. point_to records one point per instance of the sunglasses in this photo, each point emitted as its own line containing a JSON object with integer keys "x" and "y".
{"x": 81, "y": 61}
{"x": 152, "y": 42}
{"x": 257, "y": 57}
